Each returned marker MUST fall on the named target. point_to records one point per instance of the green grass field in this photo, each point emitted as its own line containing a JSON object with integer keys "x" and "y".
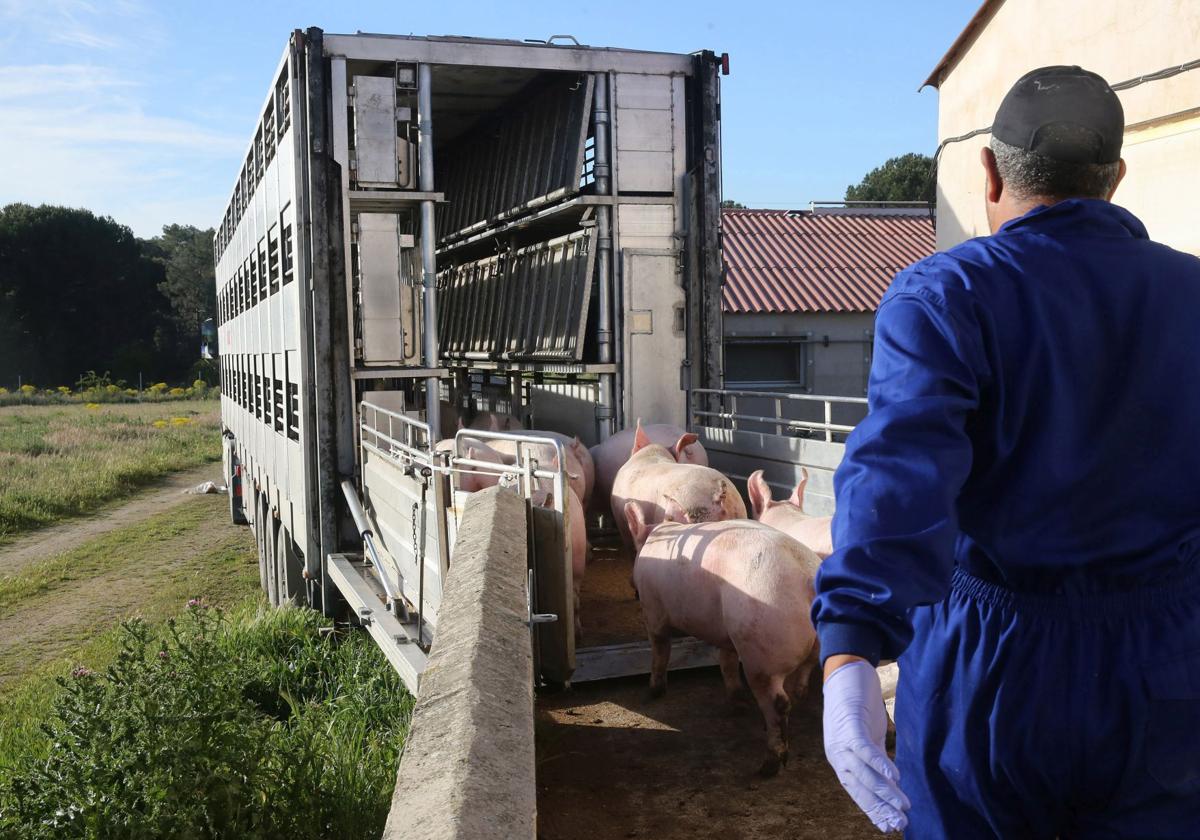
{"x": 258, "y": 724}
{"x": 57, "y": 462}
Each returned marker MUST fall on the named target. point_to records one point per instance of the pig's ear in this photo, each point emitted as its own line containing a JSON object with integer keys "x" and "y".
{"x": 685, "y": 440}
{"x": 640, "y": 439}
{"x": 635, "y": 516}
{"x": 760, "y": 493}
{"x": 493, "y": 423}
{"x": 797, "y": 497}
{"x": 577, "y": 444}
{"x": 460, "y": 423}
{"x": 674, "y": 512}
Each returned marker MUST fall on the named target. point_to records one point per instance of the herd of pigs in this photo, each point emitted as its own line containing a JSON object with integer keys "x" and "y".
{"x": 702, "y": 567}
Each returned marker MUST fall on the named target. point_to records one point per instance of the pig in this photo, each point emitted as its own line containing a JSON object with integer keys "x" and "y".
{"x": 475, "y": 478}
{"x": 575, "y": 447}
{"x": 494, "y": 421}
{"x": 741, "y": 586}
{"x": 547, "y": 457}
{"x": 814, "y": 531}
{"x": 612, "y": 454}
{"x": 682, "y": 492}
{"x": 576, "y": 537}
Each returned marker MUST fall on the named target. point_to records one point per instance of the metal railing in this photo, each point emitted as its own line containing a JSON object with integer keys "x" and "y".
{"x": 413, "y": 445}
{"x": 712, "y": 404}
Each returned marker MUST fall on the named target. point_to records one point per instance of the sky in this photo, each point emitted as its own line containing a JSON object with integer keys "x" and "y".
{"x": 142, "y": 110}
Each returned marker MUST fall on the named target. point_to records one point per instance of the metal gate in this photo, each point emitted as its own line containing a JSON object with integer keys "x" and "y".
{"x": 527, "y": 304}
{"x": 412, "y": 511}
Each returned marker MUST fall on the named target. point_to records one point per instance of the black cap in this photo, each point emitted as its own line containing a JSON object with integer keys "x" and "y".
{"x": 1065, "y": 113}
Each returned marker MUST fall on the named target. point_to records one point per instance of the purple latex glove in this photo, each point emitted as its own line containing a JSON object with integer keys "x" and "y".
{"x": 855, "y": 725}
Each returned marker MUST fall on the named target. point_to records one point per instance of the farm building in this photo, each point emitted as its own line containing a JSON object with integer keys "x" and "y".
{"x": 801, "y": 289}
{"x": 1149, "y": 52}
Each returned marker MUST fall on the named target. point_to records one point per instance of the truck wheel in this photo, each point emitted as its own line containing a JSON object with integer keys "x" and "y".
{"x": 290, "y": 565}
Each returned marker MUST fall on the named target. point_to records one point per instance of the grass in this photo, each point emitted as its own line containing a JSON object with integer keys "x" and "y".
{"x": 57, "y": 462}
{"x": 320, "y": 719}
{"x": 65, "y": 610}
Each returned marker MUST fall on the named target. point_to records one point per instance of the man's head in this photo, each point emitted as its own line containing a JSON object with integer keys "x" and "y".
{"x": 1057, "y": 135}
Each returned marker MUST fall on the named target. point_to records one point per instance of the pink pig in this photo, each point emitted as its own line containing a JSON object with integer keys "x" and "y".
{"x": 576, "y": 537}
{"x": 612, "y": 454}
{"x": 547, "y": 458}
{"x": 681, "y": 492}
{"x": 741, "y": 586}
{"x": 475, "y": 478}
{"x": 813, "y": 531}
{"x": 575, "y": 448}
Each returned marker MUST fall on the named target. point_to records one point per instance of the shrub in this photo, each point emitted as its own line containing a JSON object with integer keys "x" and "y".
{"x": 257, "y": 729}
{"x": 28, "y": 390}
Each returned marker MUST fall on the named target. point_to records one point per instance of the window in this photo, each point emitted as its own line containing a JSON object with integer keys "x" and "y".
{"x": 293, "y": 429}
{"x": 766, "y": 363}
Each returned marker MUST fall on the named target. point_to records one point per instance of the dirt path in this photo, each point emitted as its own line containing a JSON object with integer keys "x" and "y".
{"x": 147, "y": 568}
{"x": 153, "y": 500}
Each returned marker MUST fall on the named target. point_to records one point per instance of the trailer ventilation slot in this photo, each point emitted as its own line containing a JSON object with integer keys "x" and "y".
{"x": 527, "y": 304}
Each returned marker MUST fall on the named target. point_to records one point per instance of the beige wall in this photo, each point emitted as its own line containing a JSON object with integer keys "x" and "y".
{"x": 1118, "y": 39}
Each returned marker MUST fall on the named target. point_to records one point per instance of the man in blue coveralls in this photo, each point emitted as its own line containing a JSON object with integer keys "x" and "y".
{"x": 1018, "y": 518}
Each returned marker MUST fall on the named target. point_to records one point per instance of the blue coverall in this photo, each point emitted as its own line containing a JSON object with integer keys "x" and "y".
{"x": 1018, "y": 522}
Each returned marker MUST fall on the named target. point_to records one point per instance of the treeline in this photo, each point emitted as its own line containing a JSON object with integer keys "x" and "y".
{"x": 79, "y": 292}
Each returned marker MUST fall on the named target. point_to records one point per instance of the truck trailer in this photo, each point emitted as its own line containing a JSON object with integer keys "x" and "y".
{"x": 429, "y": 227}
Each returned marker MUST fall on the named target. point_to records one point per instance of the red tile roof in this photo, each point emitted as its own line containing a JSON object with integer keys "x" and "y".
{"x": 797, "y": 261}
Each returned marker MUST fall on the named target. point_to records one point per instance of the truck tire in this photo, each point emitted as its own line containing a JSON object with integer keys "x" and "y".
{"x": 290, "y": 565}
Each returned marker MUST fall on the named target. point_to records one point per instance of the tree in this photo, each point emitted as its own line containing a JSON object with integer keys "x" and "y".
{"x": 77, "y": 293}
{"x": 905, "y": 178}
{"x": 190, "y": 285}
{"x": 730, "y": 204}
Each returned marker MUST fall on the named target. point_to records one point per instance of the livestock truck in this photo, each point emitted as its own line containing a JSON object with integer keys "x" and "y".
{"x": 426, "y": 227}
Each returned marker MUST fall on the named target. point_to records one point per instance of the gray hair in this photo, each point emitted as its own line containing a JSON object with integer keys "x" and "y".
{"x": 1031, "y": 175}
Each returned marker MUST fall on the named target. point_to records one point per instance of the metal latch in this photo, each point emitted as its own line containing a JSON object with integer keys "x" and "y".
{"x": 535, "y": 618}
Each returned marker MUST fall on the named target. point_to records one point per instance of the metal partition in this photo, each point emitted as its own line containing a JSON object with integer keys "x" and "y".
{"x": 527, "y": 304}
{"x": 745, "y": 431}
{"x": 414, "y": 513}
{"x": 523, "y": 157}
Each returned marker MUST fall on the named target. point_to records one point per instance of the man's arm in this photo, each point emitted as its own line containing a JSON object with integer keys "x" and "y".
{"x": 896, "y": 522}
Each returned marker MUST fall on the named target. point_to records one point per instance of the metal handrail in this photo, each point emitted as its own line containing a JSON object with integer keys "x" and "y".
{"x": 731, "y": 416}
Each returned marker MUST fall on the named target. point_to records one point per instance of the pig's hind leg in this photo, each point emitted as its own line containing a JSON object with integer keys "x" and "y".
{"x": 775, "y": 705}
{"x": 735, "y": 692}
{"x": 660, "y": 658}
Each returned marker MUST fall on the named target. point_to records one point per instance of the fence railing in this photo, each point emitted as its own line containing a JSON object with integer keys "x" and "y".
{"x": 720, "y": 408}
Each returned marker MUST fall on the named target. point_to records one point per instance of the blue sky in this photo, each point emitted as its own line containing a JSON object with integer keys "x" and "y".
{"x": 141, "y": 110}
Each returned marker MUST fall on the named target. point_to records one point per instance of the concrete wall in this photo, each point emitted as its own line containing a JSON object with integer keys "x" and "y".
{"x": 467, "y": 772}
{"x": 839, "y": 369}
{"x": 1117, "y": 39}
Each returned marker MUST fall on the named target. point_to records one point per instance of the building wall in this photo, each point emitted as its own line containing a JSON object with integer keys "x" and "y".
{"x": 1117, "y": 39}
{"x": 838, "y": 369}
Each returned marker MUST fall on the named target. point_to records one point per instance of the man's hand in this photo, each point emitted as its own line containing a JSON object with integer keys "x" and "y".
{"x": 855, "y": 725}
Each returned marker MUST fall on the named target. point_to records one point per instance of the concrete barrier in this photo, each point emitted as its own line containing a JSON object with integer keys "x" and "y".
{"x": 467, "y": 770}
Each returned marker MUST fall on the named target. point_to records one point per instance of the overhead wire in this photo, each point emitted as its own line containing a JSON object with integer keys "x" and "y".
{"x": 1157, "y": 75}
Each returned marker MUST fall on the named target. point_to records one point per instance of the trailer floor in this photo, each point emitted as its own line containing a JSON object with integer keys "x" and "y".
{"x": 613, "y": 763}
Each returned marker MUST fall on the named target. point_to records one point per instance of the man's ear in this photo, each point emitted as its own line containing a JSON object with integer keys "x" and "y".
{"x": 994, "y": 186}
{"x": 1120, "y": 177}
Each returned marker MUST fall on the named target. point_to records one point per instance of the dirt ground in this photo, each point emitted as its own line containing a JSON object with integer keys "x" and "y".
{"x": 56, "y": 539}
{"x": 612, "y": 763}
